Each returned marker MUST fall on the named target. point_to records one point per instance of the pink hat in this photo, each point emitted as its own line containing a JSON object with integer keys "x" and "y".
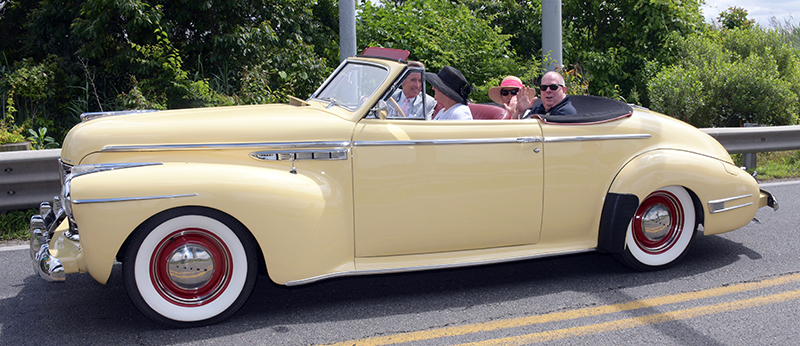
{"x": 508, "y": 83}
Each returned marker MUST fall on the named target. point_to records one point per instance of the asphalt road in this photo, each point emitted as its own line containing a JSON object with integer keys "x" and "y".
{"x": 739, "y": 288}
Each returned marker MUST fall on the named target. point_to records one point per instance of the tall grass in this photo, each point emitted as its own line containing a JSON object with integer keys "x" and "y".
{"x": 789, "y": 30}
{"x": 14, "y": 224}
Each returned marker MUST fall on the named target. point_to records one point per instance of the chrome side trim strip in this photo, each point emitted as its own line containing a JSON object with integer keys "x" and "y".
{"x": 730, "y": 208}
{"x": 447, "y": 141}
{"x": 718, "y": 205}
{"x": 126, "y": 199}
{"x": 285, "y": 155}
{"x": 211, "y": 146}
{"x": 596, "y": 138}
{"x": 80, "y": 170}
{"x": 431, "y": 267}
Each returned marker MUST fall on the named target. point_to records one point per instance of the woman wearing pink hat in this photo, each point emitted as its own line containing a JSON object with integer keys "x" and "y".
{"x": 506, "y": 95}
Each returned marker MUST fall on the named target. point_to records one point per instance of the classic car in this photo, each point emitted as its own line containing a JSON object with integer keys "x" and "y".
{"x": 195, "y": 203}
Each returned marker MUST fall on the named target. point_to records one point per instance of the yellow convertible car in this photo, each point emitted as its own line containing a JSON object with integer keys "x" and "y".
{"x": 195, "y": 203}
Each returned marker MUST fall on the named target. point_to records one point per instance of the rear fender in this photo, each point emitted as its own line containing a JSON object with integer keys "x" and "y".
{"x": 708, "y": 179}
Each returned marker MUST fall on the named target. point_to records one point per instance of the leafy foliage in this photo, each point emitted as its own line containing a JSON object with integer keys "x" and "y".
{"x": 731, "y": 77}
{"x": 788, "y": 30}
{"x": 40, "y": 140}
{"x": 614, "y": 40}
{"x": 520, "y": 20}
{"x": 735, "y": 17}
{"x": 73, "y": 56}
{"x": 442, "y": 33}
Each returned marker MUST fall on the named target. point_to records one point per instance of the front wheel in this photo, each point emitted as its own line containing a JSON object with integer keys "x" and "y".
{"x": 190, "y": 266}
{"x": 661, "y": 230}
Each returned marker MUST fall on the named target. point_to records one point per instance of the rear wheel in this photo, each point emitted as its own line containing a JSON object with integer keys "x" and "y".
{"x": 661, "y": 230}
{"x": 190, "y": 267}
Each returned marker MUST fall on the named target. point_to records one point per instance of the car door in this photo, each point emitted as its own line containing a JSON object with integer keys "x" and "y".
{"x": 439, "y": 186}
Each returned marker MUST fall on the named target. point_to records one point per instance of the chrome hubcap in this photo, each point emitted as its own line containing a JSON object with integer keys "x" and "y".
{"x": 658, "y": 222}
{"x": 190, "y": 266}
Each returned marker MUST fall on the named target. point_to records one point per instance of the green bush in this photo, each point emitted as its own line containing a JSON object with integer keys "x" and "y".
{"x": 730, "y": 77}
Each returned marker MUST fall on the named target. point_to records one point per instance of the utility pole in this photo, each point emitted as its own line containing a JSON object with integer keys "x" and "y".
{"x": 551, "y": 35}
{"x": 347, "y": 29}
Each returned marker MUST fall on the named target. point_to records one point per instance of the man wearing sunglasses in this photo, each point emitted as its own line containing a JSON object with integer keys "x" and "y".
{"x": 553, "y": 95}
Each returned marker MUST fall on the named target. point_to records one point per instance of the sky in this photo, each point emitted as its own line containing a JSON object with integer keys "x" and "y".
{"x": 760, "y": 10}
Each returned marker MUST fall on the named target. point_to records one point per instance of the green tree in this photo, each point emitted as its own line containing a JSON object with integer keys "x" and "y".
{"x": 441, "y": 33}
{"x": 521, "y": 20}
{"x": 113, "y": 54}
{"x": 735, "y": 17}
{"x": 230, "y": 40}
{"x": 615, "y": 40}
{"x": 731, "y": 77}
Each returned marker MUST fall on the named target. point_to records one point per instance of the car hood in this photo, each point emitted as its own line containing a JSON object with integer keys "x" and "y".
{"x": 275, "y": 123}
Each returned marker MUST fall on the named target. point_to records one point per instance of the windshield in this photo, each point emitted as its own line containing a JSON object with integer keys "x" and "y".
{"x": 354, "y": 84}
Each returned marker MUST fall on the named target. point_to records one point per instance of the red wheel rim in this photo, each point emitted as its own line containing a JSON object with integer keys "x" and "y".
{"x": 191, "y": 267}
{"x": 658, "y": 222}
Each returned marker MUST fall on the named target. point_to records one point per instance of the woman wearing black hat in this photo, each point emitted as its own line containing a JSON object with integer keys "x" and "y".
{"x": 451, "y": 90}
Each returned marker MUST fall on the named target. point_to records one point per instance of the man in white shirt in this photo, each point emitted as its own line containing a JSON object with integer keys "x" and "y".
{"x": 410, "y": 98}
{"x": 451, "y": 90}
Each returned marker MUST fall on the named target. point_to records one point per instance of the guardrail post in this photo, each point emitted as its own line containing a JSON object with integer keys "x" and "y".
{"x": 750, "y": 160}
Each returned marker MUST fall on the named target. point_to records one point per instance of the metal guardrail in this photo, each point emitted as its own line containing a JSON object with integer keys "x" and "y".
{"x": 30, "y": 177}
{"x": 760, "y": 139}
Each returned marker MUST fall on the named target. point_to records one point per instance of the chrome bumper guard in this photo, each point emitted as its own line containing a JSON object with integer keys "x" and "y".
{"x": 42, "y": 228}
{"x": 768, "y": 200}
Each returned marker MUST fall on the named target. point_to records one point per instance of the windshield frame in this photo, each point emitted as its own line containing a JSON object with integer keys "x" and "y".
{"x": 340, "y": 70}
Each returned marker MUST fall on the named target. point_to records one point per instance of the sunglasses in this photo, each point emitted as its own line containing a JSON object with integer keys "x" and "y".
{"x": 551, "y": 86}
{"x": 505, "y": 92}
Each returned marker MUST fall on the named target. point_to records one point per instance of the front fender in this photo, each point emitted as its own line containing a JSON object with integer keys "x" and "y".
{"x": 728, "y": 196}
{"x": 302, "y": 222}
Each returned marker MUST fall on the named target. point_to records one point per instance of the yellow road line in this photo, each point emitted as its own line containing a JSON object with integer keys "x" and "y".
{"x": 566, "y": 315}
{"x": 629, "y": 323}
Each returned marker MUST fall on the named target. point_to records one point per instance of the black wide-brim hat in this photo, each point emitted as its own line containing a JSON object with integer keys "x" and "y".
{"x": 450, "y": 82}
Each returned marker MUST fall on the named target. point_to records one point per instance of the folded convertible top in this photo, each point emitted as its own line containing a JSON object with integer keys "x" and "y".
{"x": 591, "y": 109}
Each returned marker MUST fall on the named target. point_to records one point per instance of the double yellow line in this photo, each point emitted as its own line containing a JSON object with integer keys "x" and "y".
{"x": 595, "y": 311}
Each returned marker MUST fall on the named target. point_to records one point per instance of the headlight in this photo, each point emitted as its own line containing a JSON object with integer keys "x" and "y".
{"x": 66, "y": 200}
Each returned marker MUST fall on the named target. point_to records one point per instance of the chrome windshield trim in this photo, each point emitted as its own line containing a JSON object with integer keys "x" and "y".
{"x": 339, "y": 69}
{"x": 596, "y": 138}
{"x": 447, "y": 141}
{"x": 126, "y": 199}
{"x": 718, "y": 205}
{"x": 219, "y": 146}
{"x": 95, "y": 115}
{"x": 430, "y": 267}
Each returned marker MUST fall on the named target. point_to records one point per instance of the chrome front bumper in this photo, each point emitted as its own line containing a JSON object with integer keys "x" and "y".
{"x": 42, "y": 228}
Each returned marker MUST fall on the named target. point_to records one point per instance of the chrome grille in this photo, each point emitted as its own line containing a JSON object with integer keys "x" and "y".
{"x": 64, "y": 171}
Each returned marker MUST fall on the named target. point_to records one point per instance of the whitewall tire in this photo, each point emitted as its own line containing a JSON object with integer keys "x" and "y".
{"x": 190, "y": 266}
{"x": 661, "y": 230}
